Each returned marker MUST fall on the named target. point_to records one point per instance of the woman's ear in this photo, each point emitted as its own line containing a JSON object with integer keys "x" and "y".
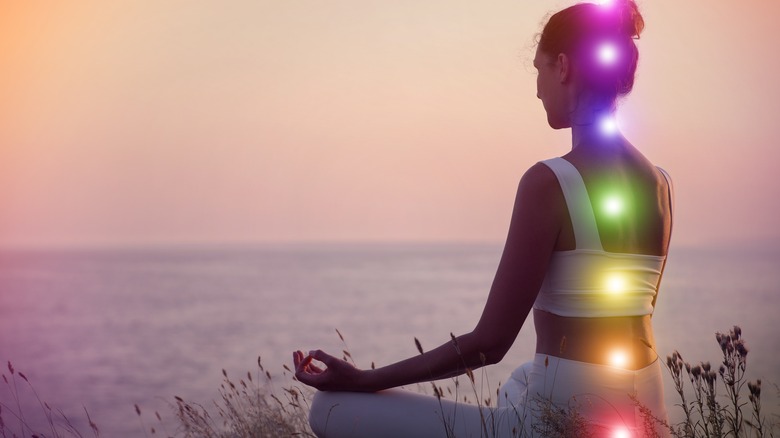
{"x": 564, "y": 68}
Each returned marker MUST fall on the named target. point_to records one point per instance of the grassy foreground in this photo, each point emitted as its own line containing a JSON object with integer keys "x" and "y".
{"x": 713, "y": 401}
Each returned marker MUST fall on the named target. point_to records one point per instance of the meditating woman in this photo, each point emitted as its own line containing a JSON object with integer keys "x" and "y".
{"x": 586, "y": 248}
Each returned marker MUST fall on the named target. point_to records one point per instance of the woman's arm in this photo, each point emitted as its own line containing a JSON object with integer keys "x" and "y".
{"x": 533, "y": 232}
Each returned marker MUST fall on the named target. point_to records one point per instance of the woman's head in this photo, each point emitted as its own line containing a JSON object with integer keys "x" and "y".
{"x": 592, "y": 45}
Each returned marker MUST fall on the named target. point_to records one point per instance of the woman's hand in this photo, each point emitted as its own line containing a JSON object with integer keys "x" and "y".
{"x": 338, "y": 375}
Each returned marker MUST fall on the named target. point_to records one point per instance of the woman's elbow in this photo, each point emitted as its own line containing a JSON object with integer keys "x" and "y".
{"x": 490, "y": 350}
{"x": 495, "y": 354}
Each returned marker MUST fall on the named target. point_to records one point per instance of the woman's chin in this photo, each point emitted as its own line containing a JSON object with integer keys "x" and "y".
{"x": 558, "y": 124}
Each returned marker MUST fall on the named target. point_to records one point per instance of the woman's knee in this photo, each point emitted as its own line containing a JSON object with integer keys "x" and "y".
{"x": 321, "y": 405}
{"x": 391, "y": 413}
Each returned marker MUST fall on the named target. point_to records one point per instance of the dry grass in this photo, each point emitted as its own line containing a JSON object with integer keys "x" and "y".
{"x": 57, "y": 423}
{"x": 246, "y": 409}
{"x": 714, "y": 405}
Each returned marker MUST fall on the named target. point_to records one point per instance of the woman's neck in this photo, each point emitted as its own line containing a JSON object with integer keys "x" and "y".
{"x": 595, "y": 128}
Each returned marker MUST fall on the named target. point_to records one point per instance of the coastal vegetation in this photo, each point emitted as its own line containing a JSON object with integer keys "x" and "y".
{"x": 712, "y": 399}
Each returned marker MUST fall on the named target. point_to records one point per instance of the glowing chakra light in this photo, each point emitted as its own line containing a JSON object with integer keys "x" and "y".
{"x": 616, "y": 284}
{"x": 608, "y": 126}
{"x": 618, "y": 358}
{"x": 621, "y": 432}
{"x": 607, "y": 53}
{"x": 613, "y": 205}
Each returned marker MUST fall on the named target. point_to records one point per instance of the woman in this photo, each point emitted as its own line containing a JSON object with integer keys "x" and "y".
{"x": 586, "y": 248}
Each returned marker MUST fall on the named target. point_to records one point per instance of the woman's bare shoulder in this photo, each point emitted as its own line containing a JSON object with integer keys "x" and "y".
{"x": 539, "y": 174}
{"x": 540, "y": 183}
{"x": 540, "y": 202}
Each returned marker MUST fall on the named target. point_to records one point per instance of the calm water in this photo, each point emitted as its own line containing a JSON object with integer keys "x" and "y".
{"x": 108, "y": 329}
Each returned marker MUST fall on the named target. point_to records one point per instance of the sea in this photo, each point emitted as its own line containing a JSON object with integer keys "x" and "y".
{"x": 112, "y": 332}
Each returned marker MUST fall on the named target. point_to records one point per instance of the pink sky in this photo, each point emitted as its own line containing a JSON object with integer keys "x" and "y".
{"x": 145, "y": 121}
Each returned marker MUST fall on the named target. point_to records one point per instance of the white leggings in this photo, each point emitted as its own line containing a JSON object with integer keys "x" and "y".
{"x": 599, "y": 393}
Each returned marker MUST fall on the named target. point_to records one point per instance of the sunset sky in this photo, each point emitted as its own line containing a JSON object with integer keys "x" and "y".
{"x": 131, "y": 122}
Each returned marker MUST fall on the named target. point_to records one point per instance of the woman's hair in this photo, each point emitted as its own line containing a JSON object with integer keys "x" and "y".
{"x": 600, "y": 41}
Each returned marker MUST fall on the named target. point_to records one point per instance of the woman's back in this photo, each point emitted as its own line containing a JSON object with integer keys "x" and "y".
{"x": 630, "y": 199}
{"x": 598, "y": 297}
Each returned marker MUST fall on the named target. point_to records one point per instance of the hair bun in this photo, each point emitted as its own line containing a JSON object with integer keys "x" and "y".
{"x": 632, "y": 22}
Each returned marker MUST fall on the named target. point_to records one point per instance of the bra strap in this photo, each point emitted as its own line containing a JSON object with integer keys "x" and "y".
{"x": 670, "y": 191}
{"x": 583, "y": 221}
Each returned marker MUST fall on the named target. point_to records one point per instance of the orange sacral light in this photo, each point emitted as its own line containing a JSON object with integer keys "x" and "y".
{"x": 618, "y": 358}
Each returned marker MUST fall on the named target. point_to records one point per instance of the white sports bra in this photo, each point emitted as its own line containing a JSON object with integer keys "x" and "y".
{"x": 588, "y": 281}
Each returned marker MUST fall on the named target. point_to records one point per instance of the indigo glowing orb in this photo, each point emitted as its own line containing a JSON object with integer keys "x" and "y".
{"x": 608, "y": 125}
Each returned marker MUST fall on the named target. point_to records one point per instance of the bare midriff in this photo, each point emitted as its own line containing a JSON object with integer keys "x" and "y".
{"x": 623, "y": 341}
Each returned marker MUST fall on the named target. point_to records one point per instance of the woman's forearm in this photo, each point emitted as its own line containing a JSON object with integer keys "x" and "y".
{"x": 448, "y": 360}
